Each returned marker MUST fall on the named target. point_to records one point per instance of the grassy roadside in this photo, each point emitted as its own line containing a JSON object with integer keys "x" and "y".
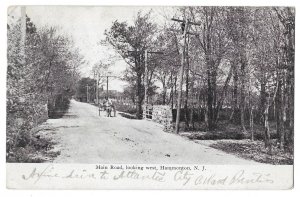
{"x": 38, "y": 150}
{"x": 255, "y": 150}
{"x": 247, "y": 149}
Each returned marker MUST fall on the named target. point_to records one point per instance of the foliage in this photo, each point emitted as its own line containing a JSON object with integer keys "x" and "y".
{"x": 256, "y": 151}
{"x": 81, "y": 89}
{"x": 238, "y": 58}
{"x": 41, "y": 73}
{"x": 131, "y": 41}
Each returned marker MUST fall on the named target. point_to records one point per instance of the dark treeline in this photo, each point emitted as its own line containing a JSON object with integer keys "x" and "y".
{"x": 239, "y": 60}
{"x": 41, "y": 76}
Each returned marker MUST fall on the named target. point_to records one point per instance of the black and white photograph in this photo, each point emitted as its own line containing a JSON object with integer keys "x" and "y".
{"x": 168, "y": 89}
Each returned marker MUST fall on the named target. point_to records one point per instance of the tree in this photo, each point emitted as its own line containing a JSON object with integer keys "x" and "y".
{"x": 211, "y": 40}
{"x": 284, "y": 29}
{"x": 238, "y": 30}
{"x": 40, "y": 78}
{"x": 136, "y": 38}
{"x": 167, "y": 69}
{"x": 86, "y": 89}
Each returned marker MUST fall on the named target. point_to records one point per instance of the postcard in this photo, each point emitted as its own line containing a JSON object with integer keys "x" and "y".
{"x": 140, "y": 97}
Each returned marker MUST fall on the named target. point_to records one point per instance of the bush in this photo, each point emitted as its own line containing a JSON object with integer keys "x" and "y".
{"x": 45, "y": 76}
{"x": 59, "y": 107}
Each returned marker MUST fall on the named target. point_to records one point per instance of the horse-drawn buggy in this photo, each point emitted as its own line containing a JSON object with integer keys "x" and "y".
{"x": 108, "y": 107}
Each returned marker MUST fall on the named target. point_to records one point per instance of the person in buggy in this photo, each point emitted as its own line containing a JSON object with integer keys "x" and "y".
{"x": 109, "y": 108}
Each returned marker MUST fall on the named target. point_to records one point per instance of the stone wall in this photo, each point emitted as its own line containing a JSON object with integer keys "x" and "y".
{"x": 161, "y": 114}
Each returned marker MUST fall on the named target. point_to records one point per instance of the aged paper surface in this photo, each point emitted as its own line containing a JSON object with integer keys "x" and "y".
{"x": 86, "y": 176}
{"x": 141, "y": 97}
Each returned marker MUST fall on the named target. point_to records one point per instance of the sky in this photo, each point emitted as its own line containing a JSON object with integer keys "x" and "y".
{"x": 86, "y": 25}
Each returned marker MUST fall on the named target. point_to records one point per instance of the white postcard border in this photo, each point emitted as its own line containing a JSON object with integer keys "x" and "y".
{"x": 140, "y": 176}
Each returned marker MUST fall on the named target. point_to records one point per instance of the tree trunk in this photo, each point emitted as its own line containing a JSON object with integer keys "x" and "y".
{"x": 193, "y": 107}
{"x": 187, "y": 88}
{"x": 175, "y": 89}
{"x": 233, "y": 116}
{"x": 280, "y": 112}
{"x": 186, "y": 110}
{"x": 263, "y": 98}
{"x": 289, "y": 106}
{"x": 200, "y": 100}
{"x": 214, "y": 85}
{"x": 192, "y": 117}
{"x": 251, "y": 124}
{"x": 139, "y": 113}
{"x": 221, "y": 100}
{"x": 267, "y": 128}
{"x": 164, "y": 93}
{"x": 210, "y": 99}
{"x": 209, "y": 111}
{"x": 242, "y": 103}
{"x": 172, "y": 92}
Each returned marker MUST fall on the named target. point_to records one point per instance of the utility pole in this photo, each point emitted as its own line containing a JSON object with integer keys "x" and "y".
{"x": 107, "y": 87}
{"x": 87, "y": 93}
{"x": 146, "y": 77}
{"x": 181, "y": 77}
{"x": 184, "y": 27}
{"x": 146, "y": 71}
{"x": 97, "y": 89}
{"x": 107, "y": 77}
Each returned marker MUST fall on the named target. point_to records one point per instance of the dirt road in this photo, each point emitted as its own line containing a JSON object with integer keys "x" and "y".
{"x": 84, "y": 137}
